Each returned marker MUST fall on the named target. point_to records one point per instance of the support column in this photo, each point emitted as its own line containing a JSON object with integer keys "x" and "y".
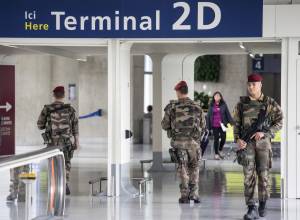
{"x": 157, "y": 164}
{"x": 290, "y": 102}
{"x": 118, "y": 170}
{"x": 137, "y": 97}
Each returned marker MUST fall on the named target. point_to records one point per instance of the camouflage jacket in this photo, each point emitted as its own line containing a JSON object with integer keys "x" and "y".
{"x": 59, "y": 120}
{"x": 184, "y": 118}
{"x": 247, "y": 110}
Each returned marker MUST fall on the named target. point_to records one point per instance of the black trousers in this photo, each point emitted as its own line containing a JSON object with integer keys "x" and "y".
{"x": 219, "y": 134}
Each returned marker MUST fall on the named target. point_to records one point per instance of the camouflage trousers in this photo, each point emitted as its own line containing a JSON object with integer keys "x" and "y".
{"x": 68, "y": 154}
{"x": 260, "y": 157}
{"x": 17, "y": 187}
{"x": 189, "y": 153}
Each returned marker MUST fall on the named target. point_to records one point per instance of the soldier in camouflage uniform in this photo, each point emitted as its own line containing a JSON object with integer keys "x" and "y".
{"x": 184, "y": 122}
{"x": 258, "y": 150}
{"x": 17, "y": 188}
{"x": 61, "y": 125}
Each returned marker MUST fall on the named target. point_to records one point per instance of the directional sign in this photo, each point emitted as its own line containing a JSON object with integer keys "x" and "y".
{"x": 258, "y": 64}
{"x": 131, "y": 18}
{"x": 7, "y": 110}
{"x": 7, "y": 107}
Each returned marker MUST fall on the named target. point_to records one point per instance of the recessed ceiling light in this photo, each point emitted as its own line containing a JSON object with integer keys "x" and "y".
{"x": 8, "y": 45}
{"x": 82, "y": 60}
{"x": 251, "y": 55}
{"x": 242, "y": 46}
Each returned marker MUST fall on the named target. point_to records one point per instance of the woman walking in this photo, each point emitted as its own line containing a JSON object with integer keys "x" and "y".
{"x": 218, "y": 118}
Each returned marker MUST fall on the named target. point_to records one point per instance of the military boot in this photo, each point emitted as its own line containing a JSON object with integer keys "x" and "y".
{"x": 11, "y": 197}
{"x": 184, "y": 200}
{"x": 196, "y": 199}
{"x": 252, "y": 213}
{"x": 68, "y": 190}
{"x": 262, "y": 209}
{"x": 184, "y": 190}
{"x": 194, "y": 195}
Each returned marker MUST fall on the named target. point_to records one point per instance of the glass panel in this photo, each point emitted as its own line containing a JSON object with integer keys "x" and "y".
{"x": 14, "y": 192}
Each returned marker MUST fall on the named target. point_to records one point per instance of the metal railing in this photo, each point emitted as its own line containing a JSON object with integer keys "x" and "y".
{"x": 56, "y": 174}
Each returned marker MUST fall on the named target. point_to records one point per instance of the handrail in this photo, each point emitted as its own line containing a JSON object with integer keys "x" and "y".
{"x": 27, "y": 158}
{"x": 56, "y": 174}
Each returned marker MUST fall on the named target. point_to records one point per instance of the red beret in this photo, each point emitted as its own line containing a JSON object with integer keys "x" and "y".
{"x": 255, "y": 77}
{"x": 180, "y": 85}
{"x": 59, "y": 89}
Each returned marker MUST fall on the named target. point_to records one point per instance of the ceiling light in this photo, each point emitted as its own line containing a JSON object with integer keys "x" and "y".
{"x": 82, "y": 60}
{"x": 242, "y": 46}
{"x": 251, "y": 55}
{"x": 8, "y": 45}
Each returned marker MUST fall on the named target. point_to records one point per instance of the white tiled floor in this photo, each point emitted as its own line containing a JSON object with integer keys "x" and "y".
{"x": 220, "y": 189}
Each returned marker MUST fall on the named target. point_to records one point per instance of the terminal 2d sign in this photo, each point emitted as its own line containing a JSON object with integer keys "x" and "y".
{"x": 131, "y": 18}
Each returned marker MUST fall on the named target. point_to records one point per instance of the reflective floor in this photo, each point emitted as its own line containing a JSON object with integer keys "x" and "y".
{"x": 221, "y": 189}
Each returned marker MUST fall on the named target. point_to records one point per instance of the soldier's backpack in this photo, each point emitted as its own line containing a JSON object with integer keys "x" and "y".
{"x": 58, "y": 119}
{"x": 186, "y": 122}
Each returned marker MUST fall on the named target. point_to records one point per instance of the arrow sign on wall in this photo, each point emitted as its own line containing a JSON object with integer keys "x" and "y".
{"x": 7, "y": 106}
{"x": 97, "y": 113}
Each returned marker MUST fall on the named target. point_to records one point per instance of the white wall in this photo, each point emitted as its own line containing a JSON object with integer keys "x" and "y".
{"x": 93, "y": 96}
{"x": 281, "y": 21}
{"x": 33, "y": 86}
{"x": 37, "y": 75}
{"x": 64, "y": 72}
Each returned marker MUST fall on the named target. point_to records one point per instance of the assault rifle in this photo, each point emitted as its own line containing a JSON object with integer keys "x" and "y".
{"x": 257, "y": 126}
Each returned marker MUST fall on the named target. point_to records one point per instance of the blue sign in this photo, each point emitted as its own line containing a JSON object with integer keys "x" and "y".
{"x": 131, "y": 18}
{"x": 258, "y": 64}
{"x": 97, "y": 113}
